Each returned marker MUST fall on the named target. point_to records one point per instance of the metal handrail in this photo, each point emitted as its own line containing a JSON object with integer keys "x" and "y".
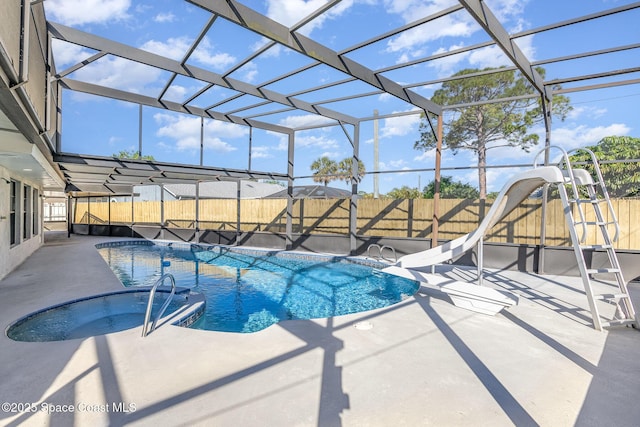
{"x": 393, "y": 251}
{"x": 152, "y": 294}
{"x": 371, "y": 246}
{"x": 380, "y": 254}
{"x": 605, "y": 192}
{"x": 572, "y": 183}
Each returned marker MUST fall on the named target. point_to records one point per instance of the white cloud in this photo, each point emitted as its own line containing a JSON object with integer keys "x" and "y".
{"x": 505, "y": 9}
{"x": 261, "y": 152}
{"x": 409, "y": 9}
{"x": 185, "y": 130}
{"x": 174, "y": 47}
{"x": 459, "y": 24}
{"x": 493, "y": 56}
{"x": 123, "y": 74}
{"x": 264, "y": 151}
{"x": 446, "y": 65}
{"x": 292, "y": 11}
{"x": 568, "y": 138}
{"x": 68, "y": 53}
{"x": 490, "y": 56}
{"x": 283, "y": 140}
{"x": 581, "y": 136}
{"x": 592, "y": 112}
{"x": 399, "y": 126}
{"x": 315, "y": 141}
{"x": 330, "y": 154}
{"x": 427, "y": 156}
{"x": 385, "y": 97}
{"x": 249, "y": 71}
{"x": 394, "y": 165}
{"x": 164, "y": 17}
{"x": 447, "y": 26}
{"x": 175, "y": 93}
{"x": 206, "y": 54}
{"x": 177, "y": 47}
{"x": 304, "y": 121}
{"x": 80, "y": 12}
{"x": 119, "y": 73}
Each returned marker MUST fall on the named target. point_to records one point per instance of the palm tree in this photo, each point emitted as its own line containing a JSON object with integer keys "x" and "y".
{"x": 325, "y": 170}
{"x": 345, "y": 170}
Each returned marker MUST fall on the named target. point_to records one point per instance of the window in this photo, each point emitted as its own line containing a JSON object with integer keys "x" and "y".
{"x": 36, "y": 211}
{"x": 26, "y": 212}
{"x": 13, "y": 211}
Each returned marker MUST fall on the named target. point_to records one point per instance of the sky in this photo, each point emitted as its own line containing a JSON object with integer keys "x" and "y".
{"x": 99, "y": 126}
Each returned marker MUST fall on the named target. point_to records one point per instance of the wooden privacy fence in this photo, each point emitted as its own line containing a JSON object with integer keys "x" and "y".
{"x": 376, "y": 217}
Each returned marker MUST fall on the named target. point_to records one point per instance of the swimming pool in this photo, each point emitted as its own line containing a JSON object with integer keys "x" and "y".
{"x": 249, "y": 290}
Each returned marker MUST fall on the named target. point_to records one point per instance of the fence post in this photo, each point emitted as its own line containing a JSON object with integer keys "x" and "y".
{"x": 410, "y": 218}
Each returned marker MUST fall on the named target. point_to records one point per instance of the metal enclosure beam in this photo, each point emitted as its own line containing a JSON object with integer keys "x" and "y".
{"x": 136, "y": 98}
{"x": 260, "y": 24}
{"x": 488, "y": 21}
{"x": 289, "y": 224}
{"x": 71, "y": 35}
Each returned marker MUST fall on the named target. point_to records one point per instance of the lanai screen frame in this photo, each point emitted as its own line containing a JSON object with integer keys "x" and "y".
{"x": 237, "y": 13}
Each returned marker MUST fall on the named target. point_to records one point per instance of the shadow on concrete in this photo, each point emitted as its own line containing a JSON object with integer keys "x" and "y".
{"x": 616, "y": 381}
{"x": 551, "y": 302}
{"x": 608, "y": 397}
{"x": 333, "y": 400}
{"x": 67, "y": 394}
{"x": 511, "y": 407}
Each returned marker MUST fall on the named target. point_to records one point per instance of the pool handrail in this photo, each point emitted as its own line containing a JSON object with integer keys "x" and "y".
{"x": 381, "y": 249}
{"x": 152, "y": 293}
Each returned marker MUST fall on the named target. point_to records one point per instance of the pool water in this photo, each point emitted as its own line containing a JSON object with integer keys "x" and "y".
{"x": 86, "y": 317}
{"x": 247, "y": 291}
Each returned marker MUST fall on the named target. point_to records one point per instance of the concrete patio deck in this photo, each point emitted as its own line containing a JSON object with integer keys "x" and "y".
{"x": 422, "y": 362}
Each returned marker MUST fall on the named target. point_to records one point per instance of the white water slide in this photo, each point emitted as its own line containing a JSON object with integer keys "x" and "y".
{"x": 515, "y": 191}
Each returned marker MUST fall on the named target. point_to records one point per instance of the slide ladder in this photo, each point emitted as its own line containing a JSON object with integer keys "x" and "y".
{"x": 586, "y": 195}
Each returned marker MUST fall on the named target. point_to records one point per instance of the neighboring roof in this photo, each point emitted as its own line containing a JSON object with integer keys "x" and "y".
{"x": 224, "y": 190}
{"x": 313, "y": 192}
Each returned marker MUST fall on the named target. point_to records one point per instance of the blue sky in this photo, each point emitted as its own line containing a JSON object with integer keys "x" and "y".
{"x": 93, "y": 125}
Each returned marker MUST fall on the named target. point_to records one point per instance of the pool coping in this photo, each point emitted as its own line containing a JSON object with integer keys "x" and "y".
{"x": 369, "y": 262}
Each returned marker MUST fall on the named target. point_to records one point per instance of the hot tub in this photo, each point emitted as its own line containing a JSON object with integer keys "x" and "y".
{"x": 106, "y": 313}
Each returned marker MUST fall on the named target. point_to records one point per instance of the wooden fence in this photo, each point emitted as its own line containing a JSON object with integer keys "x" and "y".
{"x": 376, "y": 217}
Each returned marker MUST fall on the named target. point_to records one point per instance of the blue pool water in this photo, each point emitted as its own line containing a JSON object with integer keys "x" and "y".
{"x": 95, "y": 315}
{"x": 247, "y": 291}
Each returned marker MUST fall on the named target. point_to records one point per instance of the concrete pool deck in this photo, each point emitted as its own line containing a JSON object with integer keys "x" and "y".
{"x": 422, "y": 361}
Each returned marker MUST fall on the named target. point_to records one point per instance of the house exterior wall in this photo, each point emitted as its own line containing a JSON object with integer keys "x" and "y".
{"x": 12, "y": 255}
{"x": 28, "y": 100}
